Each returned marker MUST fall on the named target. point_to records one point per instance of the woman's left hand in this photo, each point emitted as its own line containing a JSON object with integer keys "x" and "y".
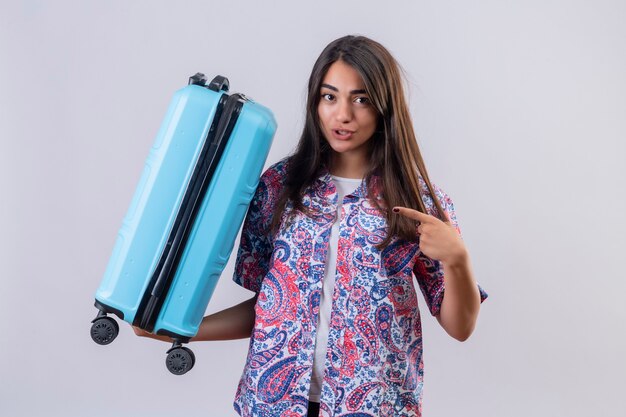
{"x": 438, "y": 240}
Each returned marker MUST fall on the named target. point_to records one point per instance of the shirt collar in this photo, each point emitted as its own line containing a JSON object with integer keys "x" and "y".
{"x": 325, "y": 179}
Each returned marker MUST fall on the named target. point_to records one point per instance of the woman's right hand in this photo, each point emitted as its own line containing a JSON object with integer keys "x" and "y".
{"x": 235, "y": 322}
{"x": 142, "y": 333}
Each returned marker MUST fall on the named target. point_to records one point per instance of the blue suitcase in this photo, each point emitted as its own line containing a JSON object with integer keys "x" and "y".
{"x": 180, "y": 228}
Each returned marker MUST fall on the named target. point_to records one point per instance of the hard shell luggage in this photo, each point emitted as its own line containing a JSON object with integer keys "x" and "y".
{"x": 182, "y": 222}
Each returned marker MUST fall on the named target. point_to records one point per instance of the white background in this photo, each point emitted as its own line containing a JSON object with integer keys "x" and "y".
{"x": 520, "y": 110}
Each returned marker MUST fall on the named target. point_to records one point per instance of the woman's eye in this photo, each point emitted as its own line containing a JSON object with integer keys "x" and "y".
{"x": 328, "y": 97}
{"x": 362, "y": 100}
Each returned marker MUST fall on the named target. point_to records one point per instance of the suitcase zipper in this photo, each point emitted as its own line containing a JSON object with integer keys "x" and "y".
{"x": 162, "y": 277}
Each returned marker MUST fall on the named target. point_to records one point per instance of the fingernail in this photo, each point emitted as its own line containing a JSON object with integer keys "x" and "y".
{"x": 396, "y": 210}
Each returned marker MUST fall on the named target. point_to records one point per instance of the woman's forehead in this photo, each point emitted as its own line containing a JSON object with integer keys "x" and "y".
{"x": 342, "y": 77}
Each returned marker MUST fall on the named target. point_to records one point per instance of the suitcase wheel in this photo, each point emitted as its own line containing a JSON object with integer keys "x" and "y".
{"x": 180, "y": 360}
{"x": 104, "y": 330}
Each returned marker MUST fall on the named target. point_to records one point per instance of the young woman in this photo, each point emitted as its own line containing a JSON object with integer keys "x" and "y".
{"x": 330, "y": 245}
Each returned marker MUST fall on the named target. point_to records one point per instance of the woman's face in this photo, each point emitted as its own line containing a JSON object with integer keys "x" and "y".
{"x": 347, "y": 117}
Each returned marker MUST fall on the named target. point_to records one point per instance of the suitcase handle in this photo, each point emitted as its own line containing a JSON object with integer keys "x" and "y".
{"x": 219, "y": 83}
{"x": 197, "y": 79}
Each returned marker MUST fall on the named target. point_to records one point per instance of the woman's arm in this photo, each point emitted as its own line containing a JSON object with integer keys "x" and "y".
{"x": 461, "y": 298}
{"x": 235, "y": 322}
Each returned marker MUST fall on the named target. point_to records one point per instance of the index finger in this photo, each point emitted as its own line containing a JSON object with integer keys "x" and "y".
{"x": 413, "y": 214}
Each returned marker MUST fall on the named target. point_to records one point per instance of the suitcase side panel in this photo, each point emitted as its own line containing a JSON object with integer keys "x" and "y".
{"x": 218, "y": 222}
{"x": 158, "y": 194}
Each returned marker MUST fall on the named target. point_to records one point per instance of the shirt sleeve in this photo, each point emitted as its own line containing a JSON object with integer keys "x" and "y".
{"x": 429, "y": 272}
{"x": 255, "y": 247}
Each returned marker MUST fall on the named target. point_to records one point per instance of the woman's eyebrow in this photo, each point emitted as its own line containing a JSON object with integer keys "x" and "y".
{"x": 330, "y": 87}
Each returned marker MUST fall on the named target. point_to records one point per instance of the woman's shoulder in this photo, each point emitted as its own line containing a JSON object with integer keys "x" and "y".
{"x": 273, "y": 178}
{"x": 440, "y": 194}
{"x": 274, "y": 175}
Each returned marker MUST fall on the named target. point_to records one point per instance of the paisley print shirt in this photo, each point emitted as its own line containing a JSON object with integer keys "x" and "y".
{"x": 374, "y": 357}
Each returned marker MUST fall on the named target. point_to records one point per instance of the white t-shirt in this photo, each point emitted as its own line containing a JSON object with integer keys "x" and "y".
{"x": 344, "y": 187}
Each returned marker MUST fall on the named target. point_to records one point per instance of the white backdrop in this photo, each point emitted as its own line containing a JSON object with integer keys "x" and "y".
{"x": 520, "y": 110}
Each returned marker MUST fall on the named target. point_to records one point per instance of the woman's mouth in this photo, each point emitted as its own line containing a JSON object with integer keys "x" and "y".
{"x": 342, "y": 134}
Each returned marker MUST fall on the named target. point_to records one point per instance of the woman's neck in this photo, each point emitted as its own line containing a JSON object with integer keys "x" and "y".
{"x": 348, "y": 166}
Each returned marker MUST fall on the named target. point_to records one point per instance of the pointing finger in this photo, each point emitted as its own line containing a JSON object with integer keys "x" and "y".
{"x": 413, "y": 214}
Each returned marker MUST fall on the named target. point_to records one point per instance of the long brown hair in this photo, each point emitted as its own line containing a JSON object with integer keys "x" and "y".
{"x": 394, "y": 154}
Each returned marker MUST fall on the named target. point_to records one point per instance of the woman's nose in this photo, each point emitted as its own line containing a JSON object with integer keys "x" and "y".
{"x": 344, "y": 111}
